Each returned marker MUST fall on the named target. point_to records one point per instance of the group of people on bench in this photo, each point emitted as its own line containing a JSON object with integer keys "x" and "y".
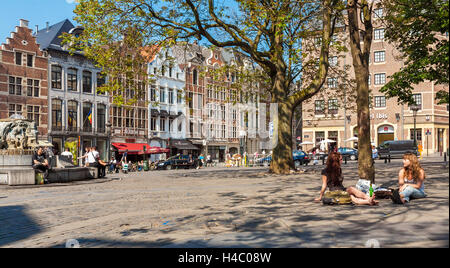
{"x": 41, "y": 163}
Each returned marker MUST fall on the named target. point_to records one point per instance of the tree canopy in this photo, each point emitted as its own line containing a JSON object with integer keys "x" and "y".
{"x": 419, "y": 28}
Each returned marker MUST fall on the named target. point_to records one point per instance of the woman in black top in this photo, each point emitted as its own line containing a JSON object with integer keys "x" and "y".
{"x": 333, "y": 180}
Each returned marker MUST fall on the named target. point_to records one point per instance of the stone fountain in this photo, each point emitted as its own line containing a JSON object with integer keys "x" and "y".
{"x": 18, "y": 140}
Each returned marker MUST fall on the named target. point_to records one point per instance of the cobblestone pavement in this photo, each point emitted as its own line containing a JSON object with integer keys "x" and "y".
{"x": 220, "y": 207}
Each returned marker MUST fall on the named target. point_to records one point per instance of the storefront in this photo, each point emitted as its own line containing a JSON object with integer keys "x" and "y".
{"x": 183, "y": 147}
{"x": 385, "y": 133}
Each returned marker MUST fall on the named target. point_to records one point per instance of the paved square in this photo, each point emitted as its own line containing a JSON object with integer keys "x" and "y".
{"x": 221, "y": 207}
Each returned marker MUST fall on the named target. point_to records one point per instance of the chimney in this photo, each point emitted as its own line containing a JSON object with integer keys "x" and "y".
{"x": 48, "y": 26}
{"x": 37, "y": 29}
{"x": 23, "y": 23}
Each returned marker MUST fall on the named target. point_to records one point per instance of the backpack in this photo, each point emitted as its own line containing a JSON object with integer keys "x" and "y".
{"x": 336, "y": 198}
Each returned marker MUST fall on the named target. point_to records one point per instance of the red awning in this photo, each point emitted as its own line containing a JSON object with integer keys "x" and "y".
{"x": 156, "y": 150}
{"x": 138, "y": 148}
{"x": 133, "y": 148}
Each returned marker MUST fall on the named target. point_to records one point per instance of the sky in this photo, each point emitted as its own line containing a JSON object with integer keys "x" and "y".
{"x": 37, "y": 12}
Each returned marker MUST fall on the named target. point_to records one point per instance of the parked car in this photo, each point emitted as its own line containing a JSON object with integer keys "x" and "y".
{"x": 300, "y": 158}
{"x": 177, "y": 162}
{"x": 396, "y": 149}
{"x": 351, "y": 153}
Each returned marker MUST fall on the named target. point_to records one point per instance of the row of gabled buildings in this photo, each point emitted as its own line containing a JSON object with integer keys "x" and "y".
{"x": 183, "y": 109}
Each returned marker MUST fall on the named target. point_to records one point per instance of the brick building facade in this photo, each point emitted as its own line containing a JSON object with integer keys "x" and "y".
{"x": 24, "y": 78}
{"x": 326, "y": 117}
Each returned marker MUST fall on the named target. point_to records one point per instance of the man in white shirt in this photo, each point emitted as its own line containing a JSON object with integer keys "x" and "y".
{"x": 100, "y": 164}
{"x": 67, "y": 153}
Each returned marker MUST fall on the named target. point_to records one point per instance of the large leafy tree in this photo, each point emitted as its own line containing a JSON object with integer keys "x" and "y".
{"x": 419, "y": 29}
{"x": 268, "y": 32}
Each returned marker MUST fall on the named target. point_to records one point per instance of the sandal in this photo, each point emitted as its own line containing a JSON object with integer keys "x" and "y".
{"x": 396, "y": 199}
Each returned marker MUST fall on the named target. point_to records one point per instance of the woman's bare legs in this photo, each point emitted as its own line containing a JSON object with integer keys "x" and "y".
{"x": 360, "y": 198}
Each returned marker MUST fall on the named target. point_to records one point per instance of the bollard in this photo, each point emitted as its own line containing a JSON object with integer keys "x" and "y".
{"x": 445, "y": 157}
{"x": 389, "y": 158}
{"x": 345, "y": 160}
{"x": 323, "y": 160}
{"x": 385, "y": 160}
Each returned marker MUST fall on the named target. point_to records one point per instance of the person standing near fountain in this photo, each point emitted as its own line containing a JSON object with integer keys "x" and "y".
{"x": 40, "y": 163}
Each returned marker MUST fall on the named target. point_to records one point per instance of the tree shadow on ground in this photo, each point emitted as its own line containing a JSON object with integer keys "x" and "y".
{"x": 16, "y": 225}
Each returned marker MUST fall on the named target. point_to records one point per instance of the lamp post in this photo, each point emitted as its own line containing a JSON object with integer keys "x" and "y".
{"x": 108, "y": 131}
{"x": 415, "y": 108}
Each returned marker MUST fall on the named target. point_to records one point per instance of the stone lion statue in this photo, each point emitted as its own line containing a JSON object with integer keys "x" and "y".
{"x": 18, "y": 134}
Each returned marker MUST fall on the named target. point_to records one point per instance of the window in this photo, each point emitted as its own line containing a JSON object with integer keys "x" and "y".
{"x": 180, "y": 97}
{"x": 153, "y": 124}
{"x": 333, "y": 106}
{"x": 380, "y": 79}
{"x": 101, "y": 118}
{"x": 117, "y": 117}
{"x": 163, "y": 70}
{"x": 152, "y": 93}
{"x": 56, "y": 114}
{"x": 332, "y": 82}
{"x": 417, "y": 100}
{"x": 171, "y": 95}
{"x": 379, "y": 34}
{"x": 32, "y": 88}
{"x": 319, "y": 106}
{"x": 380, "y": 56}
{"x": 72, "y": 115}
{"x": 162, "y": 95}
{"x": 333, "y": 61}
{"x": 18, "y": 58}
{"x": 418, "y": 134}
{"x": 30, "y": 60}
{"x": 200, "y": 102}
{"x": 180, "y": 126}
{"x": 194, "y": 77}
{"x": 370, "y": 79}
{"x": 380, "y": 101}
{"x": 15, "y": 85}
{"x": 378, "y": 13}
{"x": 142, "y": 118}
{"x": 87, "y": 116}
{"x": 170, "y": 71}
{"x": 56, "y": 76}
{"x": 162, "y": 124}
{"x": 15, "y": 109}
{"x": 33, "y": 114}
{"x": 222, "y": 109}
{"x": 191, "y": 100}
{"x": 320, "y": 136}
{"x": 72, "y": 79}
{"x": 129, "y": 118}
{"x": 87, "y": 82}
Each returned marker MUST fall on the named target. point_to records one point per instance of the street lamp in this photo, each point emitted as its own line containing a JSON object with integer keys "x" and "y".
{"x": 415, "y": 108}
{"x": 108, "y": 131}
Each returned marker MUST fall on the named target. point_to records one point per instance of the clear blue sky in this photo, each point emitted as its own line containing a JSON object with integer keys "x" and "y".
{"x": 37, "y": 12}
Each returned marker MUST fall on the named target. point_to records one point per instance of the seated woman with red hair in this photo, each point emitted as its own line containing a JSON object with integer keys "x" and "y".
{"x": 333, "y": 180}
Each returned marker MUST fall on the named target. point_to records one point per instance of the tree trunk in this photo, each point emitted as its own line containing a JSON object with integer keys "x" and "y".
{"x": 366, "y": 169}
{"x": 360, "y": 57}
{"x": 282, "y": 159}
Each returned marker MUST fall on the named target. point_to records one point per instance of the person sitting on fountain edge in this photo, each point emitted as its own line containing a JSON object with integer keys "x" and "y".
{"x": 40, "y": 163}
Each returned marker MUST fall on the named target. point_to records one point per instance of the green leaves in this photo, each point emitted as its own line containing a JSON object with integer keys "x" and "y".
{"x": 418, "y": 29}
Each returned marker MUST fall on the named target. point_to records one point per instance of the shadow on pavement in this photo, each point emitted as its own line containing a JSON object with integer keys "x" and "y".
{"x": 16, "y": 225}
